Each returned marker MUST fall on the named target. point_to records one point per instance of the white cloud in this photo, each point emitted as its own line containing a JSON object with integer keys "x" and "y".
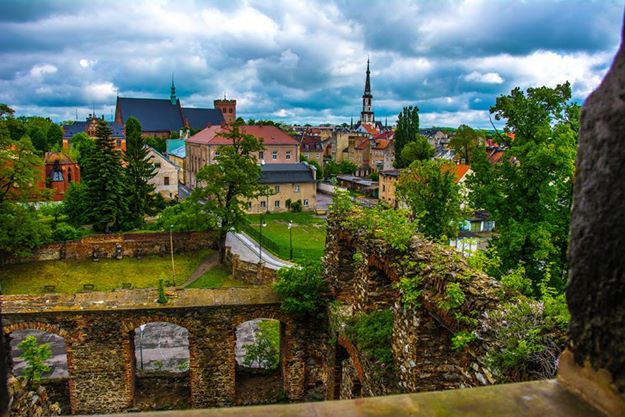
{"x": 84, "y": 63}
{"x": 488, "y": 78}
{"x": 100, "y": 92}
{"x": 39, "y": 71}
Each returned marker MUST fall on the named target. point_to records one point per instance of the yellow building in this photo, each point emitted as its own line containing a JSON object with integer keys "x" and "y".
{"x": 388, "y": 182}
{"x": 287, "y": 184}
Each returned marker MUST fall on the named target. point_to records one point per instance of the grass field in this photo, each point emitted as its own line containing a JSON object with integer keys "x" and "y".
{"x": 106, "y": 275}
{"x": 218, "y": 277}
{"x": 309, "y": 234}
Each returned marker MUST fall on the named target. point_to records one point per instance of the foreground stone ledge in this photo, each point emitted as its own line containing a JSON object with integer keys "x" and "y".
{"x": 135, "y": 299}
{"x": 527, "y": 399}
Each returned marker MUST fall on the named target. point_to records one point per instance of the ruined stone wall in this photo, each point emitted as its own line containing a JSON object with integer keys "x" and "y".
{"x": 363, "y": 273}
{"x": 132, "y": 244}
{"x": 101, "y": 356}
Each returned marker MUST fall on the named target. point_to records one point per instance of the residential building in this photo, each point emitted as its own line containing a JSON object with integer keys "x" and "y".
{"x": 89, "y": 127}
{"x": 359, "y": 153}
{"x": 203, "y": 147}
{"x": 382, "y": 152}
{"x": 160, "y": 117}
{"x": 388, "y": 183}
{"x": 312, "y": 148}
{"x": 176, "y": 153}
{"x": 166, "y": 178}
{"x": 287, "y": 183}
{"x": 59, "y": 171}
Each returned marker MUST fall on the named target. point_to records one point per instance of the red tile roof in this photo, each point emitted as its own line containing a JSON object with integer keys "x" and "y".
{"x": 381, "y": 144}
{"x": 459, "y": 170}
{"x": 361, "y": 144}
{"x": 372, "y": 130}
{"x": 270, "y": 135}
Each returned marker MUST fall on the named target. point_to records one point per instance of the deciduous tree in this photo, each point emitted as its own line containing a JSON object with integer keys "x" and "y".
{"x": 464, "y": 142}
{"x": 529, "y": 192}
{"x": 417, "y": 150}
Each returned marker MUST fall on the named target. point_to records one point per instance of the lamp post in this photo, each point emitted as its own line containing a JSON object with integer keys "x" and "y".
{"x": 290, "y": 240}
{"x": 260, "y": 243}
{"x": 171, "y": 247}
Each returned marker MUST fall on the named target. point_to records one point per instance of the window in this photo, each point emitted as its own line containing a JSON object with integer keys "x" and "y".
{"x": 296, "y": 188}
{"x": 263, "y": 204}
{"x": 288, "y": 154}
{"x": 274, "y": 155}
{"x": 157, "y": 165}
{"x": 249, "y": 205}
{"x": 305, "y": 202}
{"x": 230, "y": 110}
{"x": 166, "y": 180}
{"x": 261, "y": 155}
{"x": 276, "y": 204}
{"x": 276, "y": 188}
{"x": 383, "y": 187}
{"x": 217, "y": 154}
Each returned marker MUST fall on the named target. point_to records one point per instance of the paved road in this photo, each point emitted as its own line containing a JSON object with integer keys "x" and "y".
{"x": 249, "y": 251}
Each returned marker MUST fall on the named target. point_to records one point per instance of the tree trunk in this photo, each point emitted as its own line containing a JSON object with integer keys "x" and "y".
{"x": 221, "y": 244}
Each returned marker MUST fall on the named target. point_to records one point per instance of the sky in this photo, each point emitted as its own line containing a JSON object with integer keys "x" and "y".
{"x": 301, "y": 61}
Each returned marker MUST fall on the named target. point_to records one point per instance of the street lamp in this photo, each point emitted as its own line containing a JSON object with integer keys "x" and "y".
{"x": 171, "y": 247}
{"x": 290, "y": 240}
{"x": 260, "y": 243}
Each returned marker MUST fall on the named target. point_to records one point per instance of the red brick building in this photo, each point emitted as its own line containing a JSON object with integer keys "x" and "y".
{"x": 59, "y": 171}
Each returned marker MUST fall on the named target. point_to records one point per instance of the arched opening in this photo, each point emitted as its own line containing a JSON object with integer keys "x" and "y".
{"x": 161, "y": 366}
{"x": 55, "y": 379}
{"x": 347, "y": 383}
{"x": 259, "y": 352}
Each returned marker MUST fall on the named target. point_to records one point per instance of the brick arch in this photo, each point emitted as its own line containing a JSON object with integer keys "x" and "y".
{"x": 131, "y": 324}
{"x": 44, "y": 327}
{"x": 272, "y": 315}
{"x": 353, "y": 355}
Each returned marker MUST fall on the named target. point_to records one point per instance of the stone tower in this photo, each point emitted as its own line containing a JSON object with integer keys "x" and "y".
{"x": 228, "y": 109}
{"x": 366, "y": 115}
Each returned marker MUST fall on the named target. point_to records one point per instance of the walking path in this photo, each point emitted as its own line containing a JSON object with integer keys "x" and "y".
{"x": 248, "y": 251}
{"x": 210, "y": 262}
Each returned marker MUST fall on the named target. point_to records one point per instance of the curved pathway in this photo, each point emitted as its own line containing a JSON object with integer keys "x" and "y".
{"x": 248, "y": 251}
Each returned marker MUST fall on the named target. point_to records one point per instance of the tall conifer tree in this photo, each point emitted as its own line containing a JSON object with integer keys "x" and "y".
{"x": 106, "y": 190}
{"x": 407, "y": 131}
{"x": 139, "y": 170}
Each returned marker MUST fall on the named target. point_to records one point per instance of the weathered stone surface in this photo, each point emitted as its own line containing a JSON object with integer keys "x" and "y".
{"x": 100, "y": 343}
{"x": 595, "y": 292}
{"x": 33, "y": 402}
{"x": 120, "y": 245}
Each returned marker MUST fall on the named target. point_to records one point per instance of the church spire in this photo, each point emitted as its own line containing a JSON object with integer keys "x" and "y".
{"x": 172, "y": 96}
{"x": 368, "y": 81}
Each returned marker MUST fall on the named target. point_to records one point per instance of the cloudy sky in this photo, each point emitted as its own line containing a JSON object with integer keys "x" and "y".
{"x": 301, "y": 61}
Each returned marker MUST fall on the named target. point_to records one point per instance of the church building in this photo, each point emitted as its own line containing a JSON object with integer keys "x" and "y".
{"x": 367, "y": 123}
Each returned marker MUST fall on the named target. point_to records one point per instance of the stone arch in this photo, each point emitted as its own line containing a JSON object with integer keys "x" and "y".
{"x": 266, "y": 384}
{"x": 129, "y": 327}
{"x": 36, "y": 325}
{"x": 345, "y": 350}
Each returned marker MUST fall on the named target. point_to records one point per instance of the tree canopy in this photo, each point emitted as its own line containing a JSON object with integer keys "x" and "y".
{"x": 406, "y": 132}
{"x": 464, "y": 142}
{"x": 529, "y": 192}
{"x": 417, "y": 150}
{"x": 227, "y": 185}
{"x": 429, "y": 190}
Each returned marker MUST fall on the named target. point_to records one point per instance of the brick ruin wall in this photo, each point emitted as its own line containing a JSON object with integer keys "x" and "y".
{"x": 422, "y": 351}
{"x": 101, "y": 357}
{"x": 130, "y": 244}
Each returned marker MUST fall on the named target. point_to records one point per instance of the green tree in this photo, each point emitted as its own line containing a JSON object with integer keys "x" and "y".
{"x": 429, "y": 189}
{"x": 186, "y": 216}
{"x": 406, "y": 132}
{"x": 139, "y": 171}
{"x": 76, "y": 203}
{"x": 38, "y": 138}
{"x": 160, "y": 144}
{"x": 35, "y": 356}
{"x": 82, "y": 144}
{"x": 20, "y": 230}
{"x": 230, "y": 183}
{"x": 301, "y": 291}
{"x": 54, "y": 136}
{"x": 104, "y": 177}
{"x": 464, "y": 142}
{"x": 265, "y": 350}
{"x": 417, "y": 150}
{"x": 529, "y": 192}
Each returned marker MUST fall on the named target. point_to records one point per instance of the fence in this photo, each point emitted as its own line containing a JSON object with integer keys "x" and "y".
{"x": 266, "y": 242}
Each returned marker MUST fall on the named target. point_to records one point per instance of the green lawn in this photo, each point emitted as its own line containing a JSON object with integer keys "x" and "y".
{"x": 309, "y": 234}
{"x": 218, "y": 277}
{"x": 106, "y": 275}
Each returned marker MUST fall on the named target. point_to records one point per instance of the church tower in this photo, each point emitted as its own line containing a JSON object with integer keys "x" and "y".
{"x": 172, "y": 95}
{"x": 366, "y": 115}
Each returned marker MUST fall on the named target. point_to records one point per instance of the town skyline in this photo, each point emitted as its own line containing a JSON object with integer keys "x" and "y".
{"x": 300, "y": 62}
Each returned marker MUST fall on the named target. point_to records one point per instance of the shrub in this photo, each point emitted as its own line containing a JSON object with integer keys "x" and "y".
{"x": 34, "y": 355}
{"x": 64, "y": 232}
{"x": 265, "y": 351}
{"x": 372, "y": 334}
{"x": 301, "y": 290}
{"x": 461, "y": 339}
{"x": 296, "y": 206}
{"x": 162, "y": 298}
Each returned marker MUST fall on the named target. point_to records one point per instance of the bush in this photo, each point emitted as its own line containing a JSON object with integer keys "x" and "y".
{"x": 162, "y": 298}
{"x": 372, "y": 334}
{"x": 265, "y": 351}
{"x": 185, "y": 217}
{"x": 65, "y": 232}
{"x": 301, "y": 291}
{"x": 296, "y": 206}
{"x": 35, "y": 356}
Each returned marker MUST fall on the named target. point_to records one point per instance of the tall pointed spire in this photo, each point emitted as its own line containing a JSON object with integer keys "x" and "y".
{"x": 368, "y": 82}
{"x": 172, "y": 96}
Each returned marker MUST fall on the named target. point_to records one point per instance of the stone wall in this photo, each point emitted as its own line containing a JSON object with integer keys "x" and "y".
{"x": 362, "y": 273}
{"x": 249, "y": 272}
{"x": 100, "y": 351}
{"x": 126, "y": 244}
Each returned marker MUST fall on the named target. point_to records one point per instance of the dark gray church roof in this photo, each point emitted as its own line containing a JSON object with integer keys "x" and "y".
{"x": 155, "y": 115}
{"x": 78, "y": 127}
{"x": 285, "y": 173}
{"x": 201, "y": 118}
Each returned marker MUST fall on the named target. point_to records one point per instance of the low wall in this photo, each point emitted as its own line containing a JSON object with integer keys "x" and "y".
{"x": 121, "y": 244}
{"x": 249, "y": 272}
